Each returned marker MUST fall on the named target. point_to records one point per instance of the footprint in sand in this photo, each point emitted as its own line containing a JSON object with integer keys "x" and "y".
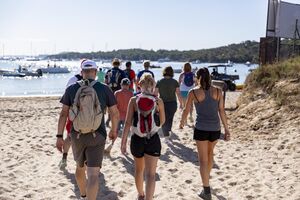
{"x": 180, "y": 194}
{"x": 233, "y": 183}
{"x": 227, "y": 177}
{"x": 219, "y": 173}
{"x": 172, "y": 170}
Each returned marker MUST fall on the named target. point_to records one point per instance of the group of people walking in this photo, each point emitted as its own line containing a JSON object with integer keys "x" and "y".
{"x": 139, "y": 105}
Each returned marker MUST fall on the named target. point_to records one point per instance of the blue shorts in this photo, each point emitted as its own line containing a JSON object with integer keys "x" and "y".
{"x": 184, "y": 94}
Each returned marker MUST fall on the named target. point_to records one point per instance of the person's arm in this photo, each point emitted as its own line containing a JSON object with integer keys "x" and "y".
{"x": 187, "y": 108}
{"x": 106, "y": 77}
{"x": 179, "y": 97}
{"x": 114, "y": 116}
{"x": 113, "y": 111}
{"x": 61, "y": 126}
{"x": 180, "y": 78}
{"x": 156, "y": 91}
{"x": 128, "y": 122}
{"x": 134, "y": 80}
{"x": 161, "y": 111}
{"x": 137, "y": 82}
{"x": 223, "y": 115}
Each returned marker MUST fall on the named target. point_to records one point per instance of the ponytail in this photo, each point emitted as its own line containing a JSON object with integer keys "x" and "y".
{"x": 205, "y": 81}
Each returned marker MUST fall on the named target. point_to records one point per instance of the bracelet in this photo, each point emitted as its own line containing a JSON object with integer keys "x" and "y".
{"x": 59, "y": 136}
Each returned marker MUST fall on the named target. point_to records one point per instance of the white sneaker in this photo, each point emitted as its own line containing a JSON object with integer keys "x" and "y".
{"x": 160, "y": 133}
{"x": 62, "y": 164}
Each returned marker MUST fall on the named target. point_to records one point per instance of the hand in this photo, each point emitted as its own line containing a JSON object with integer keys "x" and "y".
{"x": 124, "y": 147}
{"x": 60, "y": 144}
{"x": 113, "y": 135}
{"x": 227, "y": 135}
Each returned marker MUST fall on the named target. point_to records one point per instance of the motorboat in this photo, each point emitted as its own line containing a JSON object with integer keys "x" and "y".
{"x": 54, "y": 70}
{"x": 24, "y": 70}
{"x": 227, "y": 78}
{"x": 13, "y": 74}
{"x": 248, "y": 64}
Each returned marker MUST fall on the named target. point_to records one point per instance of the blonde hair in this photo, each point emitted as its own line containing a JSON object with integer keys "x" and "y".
{"x": 147, "y": 82}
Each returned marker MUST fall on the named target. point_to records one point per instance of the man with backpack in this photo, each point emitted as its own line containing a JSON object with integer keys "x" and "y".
{"x": 67, "y": 140}
{"x": 114, "y": 76}
{"x": 84, "y": 103}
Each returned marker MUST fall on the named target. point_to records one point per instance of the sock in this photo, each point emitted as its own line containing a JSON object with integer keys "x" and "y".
{"x": 206, "y": 190}
{"x": 65, "y": 156}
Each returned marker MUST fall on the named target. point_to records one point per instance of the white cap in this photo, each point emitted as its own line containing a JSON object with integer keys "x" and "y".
{"x": 88, "y": 64}
{"x": 146, "y": 61}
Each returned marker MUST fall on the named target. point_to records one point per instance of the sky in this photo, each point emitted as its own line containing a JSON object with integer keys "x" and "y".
{"x": 34, "y": 27}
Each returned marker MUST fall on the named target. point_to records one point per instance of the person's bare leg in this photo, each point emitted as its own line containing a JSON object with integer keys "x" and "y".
{"x": 211, "y": 146}
{"x": 191, "y": 113}
{"x": 150, "y": 171}
{"x": 139, "y": 175}
{"x": 202, "y": 147}
{"x": 92, "y": 182}
{"x": 81, "y": 179}
{"x": 66, "y": 147}
{"x": 67, "y": 144}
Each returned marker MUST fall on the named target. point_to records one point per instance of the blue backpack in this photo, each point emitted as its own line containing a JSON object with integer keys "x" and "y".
{"x": 189, "y": 79}
{"x": 114, "y": 78}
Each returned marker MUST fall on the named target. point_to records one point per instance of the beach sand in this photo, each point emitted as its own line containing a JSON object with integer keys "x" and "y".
{"x": 265, "y": 167}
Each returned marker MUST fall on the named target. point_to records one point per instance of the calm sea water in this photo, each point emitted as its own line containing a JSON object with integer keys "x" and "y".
{"x": 54, "y": 84}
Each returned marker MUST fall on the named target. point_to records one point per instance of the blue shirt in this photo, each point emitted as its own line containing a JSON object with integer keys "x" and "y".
{"x": 143, "y": 71}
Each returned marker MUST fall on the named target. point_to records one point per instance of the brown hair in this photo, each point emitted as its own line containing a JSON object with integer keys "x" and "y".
{"x": 168, "y": 71}
{"x": 187, "y": 67}
{"x": 205, "y": 81}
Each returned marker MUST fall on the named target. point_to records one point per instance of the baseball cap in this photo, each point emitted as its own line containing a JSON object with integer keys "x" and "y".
{"x": 88, "y": 64}
{"x": 125, "y": 81}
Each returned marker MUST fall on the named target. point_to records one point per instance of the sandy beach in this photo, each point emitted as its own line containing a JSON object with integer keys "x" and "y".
{"x": 255, "y": 164}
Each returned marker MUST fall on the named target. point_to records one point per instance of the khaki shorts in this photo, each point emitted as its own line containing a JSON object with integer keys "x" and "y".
{"x": 88, "y": 149}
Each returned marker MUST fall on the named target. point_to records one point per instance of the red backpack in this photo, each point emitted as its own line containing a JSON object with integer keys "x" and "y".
{"x": 146, "y": 119}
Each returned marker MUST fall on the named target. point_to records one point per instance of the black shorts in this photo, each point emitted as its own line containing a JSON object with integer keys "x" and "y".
{"x": 142, "y": 145}
{"x": 201, "y": 135}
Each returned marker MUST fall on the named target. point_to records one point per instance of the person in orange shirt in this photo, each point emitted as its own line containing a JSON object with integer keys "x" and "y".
{"x": 123, "y": 96}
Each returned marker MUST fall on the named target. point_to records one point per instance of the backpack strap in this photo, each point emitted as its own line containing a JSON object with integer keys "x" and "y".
{"x": 78, "y": 76}
{"x": 93, "y": 83}
{"x": 195, "y": 95}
